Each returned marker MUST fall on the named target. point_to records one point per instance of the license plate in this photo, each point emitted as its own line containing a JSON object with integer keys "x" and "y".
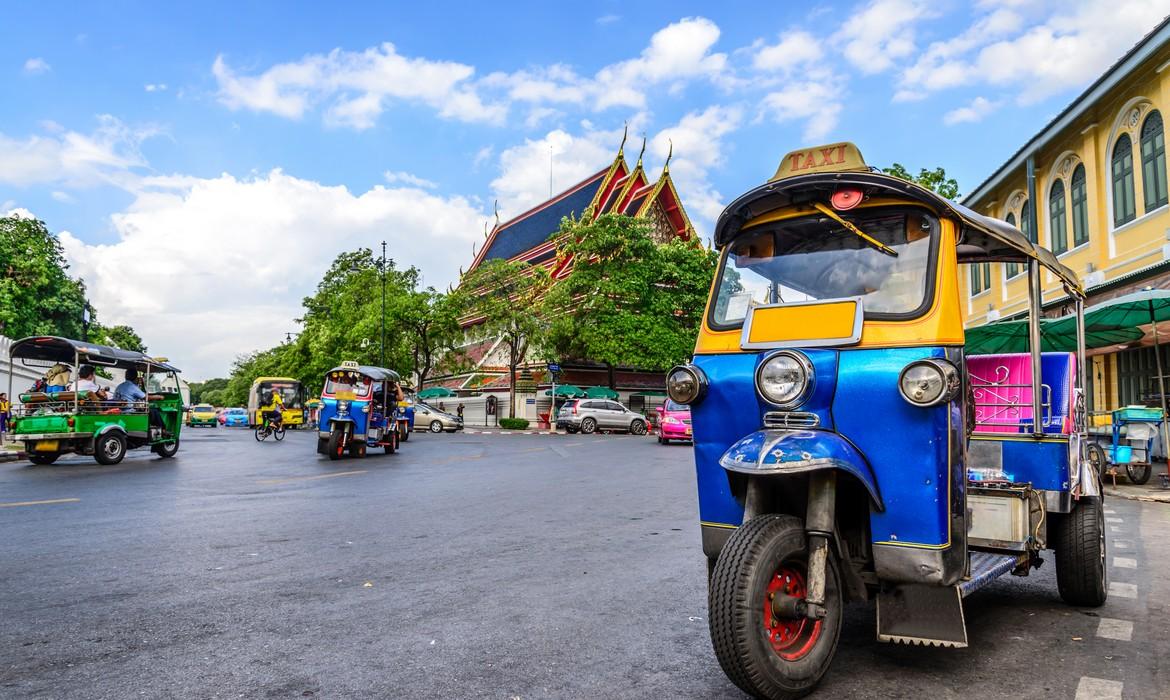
{"x": 345, "y": 395}
{"x": 45, "y": 446}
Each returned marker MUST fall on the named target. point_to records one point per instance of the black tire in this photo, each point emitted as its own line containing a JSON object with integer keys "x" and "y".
{"x": 278, "y": 434}
{"x": 44, "y": 458}
{"x": 260, "y": 434}
{"x": 166, "y": 450}
{"x": 753, "y": 560}
{"x": 404, "y": 434}
{"x": 571, "y": 431}
{"x": 109, "y": 448}
{"x": 588, "y": 426}
{"x": 1096, "y": 457}
{"x": 436, "y": 427}
{"x": 392, "y": 445}
{"x": 1082, "y": 575}
{"x": 1139, "y": 473}
{"x": 357, "y": 449}
{"x": 662, "y": 440}
{"x": 336, "y": 448}
{"x": 638, "y": 427}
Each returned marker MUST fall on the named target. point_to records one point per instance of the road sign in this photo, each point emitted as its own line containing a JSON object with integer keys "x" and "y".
{"x": 554, "y": 367}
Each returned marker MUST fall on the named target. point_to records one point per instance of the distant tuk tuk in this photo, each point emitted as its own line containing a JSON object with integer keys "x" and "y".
{"x": 359, "y": 409}
{"x": 848, "y": 447}
{"x": 54, "y": 420}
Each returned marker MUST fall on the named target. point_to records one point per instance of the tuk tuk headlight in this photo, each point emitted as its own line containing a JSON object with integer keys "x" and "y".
{"x": 686, "y": 384}
{"x": 785, "y": 379}
{"x": 342, "y": 407}
{"x": 929, "y": 382}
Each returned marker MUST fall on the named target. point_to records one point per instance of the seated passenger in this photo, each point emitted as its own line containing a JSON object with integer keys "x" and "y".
{"x": 130, "y": 392}
{"x": 56, "y": 379}
{"x": 86, "y": 381}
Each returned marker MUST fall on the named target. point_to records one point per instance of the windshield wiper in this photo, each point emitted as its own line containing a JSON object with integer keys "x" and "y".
{"x": 882, "y": 247}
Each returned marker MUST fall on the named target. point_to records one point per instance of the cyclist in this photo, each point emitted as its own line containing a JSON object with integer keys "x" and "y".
{"x": 274, "y": 411}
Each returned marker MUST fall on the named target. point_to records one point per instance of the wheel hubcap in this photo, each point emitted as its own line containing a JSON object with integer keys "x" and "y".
{"x": 791, "y": 638}
{"x": 112, "y": 448}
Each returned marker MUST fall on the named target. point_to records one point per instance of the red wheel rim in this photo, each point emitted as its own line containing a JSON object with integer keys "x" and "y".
{"x": 790, "y": 638}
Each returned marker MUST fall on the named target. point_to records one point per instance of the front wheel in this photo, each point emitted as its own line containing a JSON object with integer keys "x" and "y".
{"x": 336, "y": 445}
{"x": 278, "y": 434}
{"x": 1139, "y": 473}
{"x": 404, "y": 434}
{"x": 1081, "y": 573}
{"x": 436, "y": 426}
{"x": 166, "y": 450}
{"x": 760, "y": 580}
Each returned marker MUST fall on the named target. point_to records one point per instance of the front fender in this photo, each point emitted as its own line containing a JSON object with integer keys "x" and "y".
{"x": 343, "y": 421}
{"x": 778, "y": 452}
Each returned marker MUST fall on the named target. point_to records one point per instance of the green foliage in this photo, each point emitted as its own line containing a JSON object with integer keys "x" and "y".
{"x": 628, "y": 301}
{"x": 935, "y": 180}
{"x": 211, "y": 391}
{"x": 507, "y": 296}
{"x": 514, "y": 423}
{"x": 37, "y": 296}
{"x": 123, "y": 337}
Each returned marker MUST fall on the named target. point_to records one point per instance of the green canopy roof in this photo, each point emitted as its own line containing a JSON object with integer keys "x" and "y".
{"x": 600, "y": 392}
{"x": 436, "y": 392}
{"x": 650, "y": 392}
{"x": 568, "y": 391}
{"x": 1056, "y": 335}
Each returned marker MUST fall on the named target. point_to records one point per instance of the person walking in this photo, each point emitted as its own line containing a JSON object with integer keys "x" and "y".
{"x": 459, "y": 411}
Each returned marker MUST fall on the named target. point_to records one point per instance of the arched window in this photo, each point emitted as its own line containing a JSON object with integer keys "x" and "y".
{"x": 1154, "y": 162}
{"x": 1057, "y": 227}
{"x": 1012, "y": 268}
{"x": 1080, "y": 207}
{"x": 1124, "y": 210}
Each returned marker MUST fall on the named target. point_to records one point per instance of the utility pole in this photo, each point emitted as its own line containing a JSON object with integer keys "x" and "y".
{"x": 383, "y": 353}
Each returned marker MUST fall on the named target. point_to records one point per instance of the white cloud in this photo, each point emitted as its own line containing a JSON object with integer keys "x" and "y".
{"x": 405, "y": 178}
{"x": 817, "y": 102}
{"x": 679, "y": 51}
{"x": 1038, "y": 56}
{"x": 221, "y": 264}
{"x": 795, "y": 49}
{"x": 37, "y": 66}
{"x": 881, "y": 33}
{"x": 524, "y": 169}
{"x": 155, "y": 87}
{"x": 698, "y": 144}
{"x": 979, "y": 108}
{"x": 62, "y": 197}
{"x": 356, "y": 87}
{"x": 108, "y": 155}
{"x": 607, "y": 19}
{"x": 17, "y": 212}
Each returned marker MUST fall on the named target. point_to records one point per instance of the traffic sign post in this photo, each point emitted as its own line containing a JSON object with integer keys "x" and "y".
{"x": 553, "y": 368}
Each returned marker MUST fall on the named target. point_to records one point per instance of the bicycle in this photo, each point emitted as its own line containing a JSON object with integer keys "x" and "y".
{"x": 266, "y": 428}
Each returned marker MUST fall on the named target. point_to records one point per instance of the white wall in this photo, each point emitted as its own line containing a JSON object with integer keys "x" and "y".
{"x": 22, "y": 377}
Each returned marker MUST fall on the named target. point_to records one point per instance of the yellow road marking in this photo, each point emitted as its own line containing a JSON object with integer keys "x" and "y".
{"x": 40, "y": 503}
{"x": 310, "y": 478}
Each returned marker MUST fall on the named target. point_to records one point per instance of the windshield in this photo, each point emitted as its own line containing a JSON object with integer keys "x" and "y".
{"x": 345, "y": 381}
{"x": 236, "y": 411}
{"x": 672, "y": 406}
{"x": 290, "y": 392}
{"x": 162, "y": 383}
{"x": 814, "y": 258}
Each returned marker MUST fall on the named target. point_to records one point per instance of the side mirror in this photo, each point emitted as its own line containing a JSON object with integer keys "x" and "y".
{"x": 660, "y": 410}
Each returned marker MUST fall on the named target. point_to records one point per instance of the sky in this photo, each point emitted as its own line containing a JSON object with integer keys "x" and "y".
{"x": 204, "y": 163}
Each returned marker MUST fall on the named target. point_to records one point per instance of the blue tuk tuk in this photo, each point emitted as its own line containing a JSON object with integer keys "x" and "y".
{"x": 359, "y": 409}
{"x": 847, "y": 447}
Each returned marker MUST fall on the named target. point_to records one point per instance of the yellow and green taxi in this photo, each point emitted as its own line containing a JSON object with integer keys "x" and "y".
{"x": 202, "y": 414}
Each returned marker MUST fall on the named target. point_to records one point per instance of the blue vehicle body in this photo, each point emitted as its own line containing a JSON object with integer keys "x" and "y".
{"x": 235, "y": 418}
{"x": 359, "y": 409}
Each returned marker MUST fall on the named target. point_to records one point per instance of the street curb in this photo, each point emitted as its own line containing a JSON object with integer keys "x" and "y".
{"x": 1163, "y": 497}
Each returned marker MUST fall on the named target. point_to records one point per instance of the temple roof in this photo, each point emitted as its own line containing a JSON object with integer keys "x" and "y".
{"x": 534, "y": 226}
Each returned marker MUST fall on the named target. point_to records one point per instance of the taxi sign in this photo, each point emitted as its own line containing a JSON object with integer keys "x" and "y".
{"x": 834, "y": 157}
{"x": 350, "y": 364}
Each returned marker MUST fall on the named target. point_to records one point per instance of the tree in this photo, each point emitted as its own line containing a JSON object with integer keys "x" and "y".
{"x": 123, "y": 337}
{"x": 37, "y": 296}
{"x": 935, "y": 180}
{"x": 506, "y": 295}
{"x": 429, "y": 323}
{"x": 627, "y": 301}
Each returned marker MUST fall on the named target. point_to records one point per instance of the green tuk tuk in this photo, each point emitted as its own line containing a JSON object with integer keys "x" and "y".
{"x": 54, "y": 420}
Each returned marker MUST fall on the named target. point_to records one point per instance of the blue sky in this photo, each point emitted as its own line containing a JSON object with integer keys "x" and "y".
{"x": 204, "y": 164}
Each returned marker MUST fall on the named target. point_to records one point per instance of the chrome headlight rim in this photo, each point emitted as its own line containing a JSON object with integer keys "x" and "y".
{"x": 948, "y": 373}
{"x": 801, "y": 396}
{"x": 698, "y": 377}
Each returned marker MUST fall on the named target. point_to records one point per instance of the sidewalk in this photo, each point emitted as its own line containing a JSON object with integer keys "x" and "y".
{"x": 1151, "y": 492}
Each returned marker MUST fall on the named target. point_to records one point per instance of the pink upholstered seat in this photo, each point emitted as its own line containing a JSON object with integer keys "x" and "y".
{"x": 1002, "y": 385}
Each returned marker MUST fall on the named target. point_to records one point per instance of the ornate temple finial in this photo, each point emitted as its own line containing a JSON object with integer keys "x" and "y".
{"x": 641, "y": 152}
{"x": 497, "y": 208}
{"x": 485, "y": 230}
{"x": 474, "y": 246}
{"x": 460, "y": 272}
{"x": 669, "y": 155}
{"x": 625, "y": 133}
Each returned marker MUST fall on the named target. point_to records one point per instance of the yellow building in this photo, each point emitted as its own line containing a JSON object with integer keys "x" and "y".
{"x": 1092, "y": 187}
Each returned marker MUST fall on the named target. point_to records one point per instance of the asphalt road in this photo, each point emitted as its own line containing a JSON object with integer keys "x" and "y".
{"x": 468, "y": 566}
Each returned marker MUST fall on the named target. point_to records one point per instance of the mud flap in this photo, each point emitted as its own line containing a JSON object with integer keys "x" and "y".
{"x": 926, "y": 615}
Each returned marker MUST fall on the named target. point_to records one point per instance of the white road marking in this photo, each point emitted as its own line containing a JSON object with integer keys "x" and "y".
{"x": 1122, "y": 590}
{"x": 50, "y": 502}
{"x": 1114, "y": 520}
{"x": 1123, "y": 544}
{"x": 1110, "y": 512}
{"x": 1114, "y": 528}
{"x": 1098, "y": 689}
{"x": 1121, "y": 630}
{"x": 1124, "y": 563}
{"x": 292, "y": 479}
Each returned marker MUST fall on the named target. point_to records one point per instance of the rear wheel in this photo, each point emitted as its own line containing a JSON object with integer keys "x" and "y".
{"x": 261, "y": 433}
{"x": 1081, "y": 573}
{"x": 588, "y": 426}
{"x": 404, "y": 434}
{"x": 764, "y": 646}
{"x": 109, "y": 448}
{"x": 357, "y": 449}
{"x": 1139, "y": 473}
{"x": 571, "y": 431}
{"x": 336, "y": 445}
{"x": 166, "y": 450}
{"x": 392, "y": 442}
{"x": 1096, "y": 457}
{"x": 44, "y": 457}
{"x": 638, "y": 427}
{"x": 436, "y": 426}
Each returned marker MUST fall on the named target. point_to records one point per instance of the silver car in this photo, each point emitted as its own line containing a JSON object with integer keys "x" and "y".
{"x": 436, "y": 421}
{"x": 591, "y": 415}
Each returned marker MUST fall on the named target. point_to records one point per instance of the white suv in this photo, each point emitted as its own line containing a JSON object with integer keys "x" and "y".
{"x": 591, "y": 415}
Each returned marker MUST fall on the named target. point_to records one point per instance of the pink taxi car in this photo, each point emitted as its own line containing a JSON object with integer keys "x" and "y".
{"x": 674, "y": 422}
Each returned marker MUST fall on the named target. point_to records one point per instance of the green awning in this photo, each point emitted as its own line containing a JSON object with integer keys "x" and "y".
{"x": 568, "y": 391}
{"x": 1056, "y": 335}
{"x": 600, "y": 392}
{"x": 436, "y": 392}
{"x": 651, "y": 392}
